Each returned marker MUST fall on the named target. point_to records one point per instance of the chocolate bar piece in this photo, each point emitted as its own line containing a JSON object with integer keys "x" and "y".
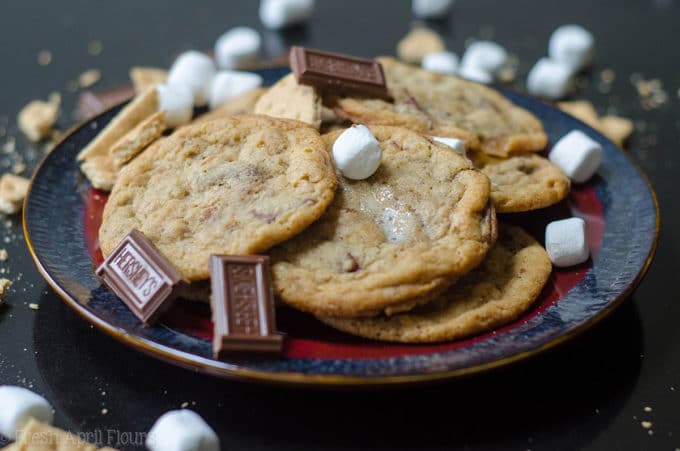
{"x": 338, "y": 74}
{"x": 242, "y": 305}
{"x": 138, "y": 274}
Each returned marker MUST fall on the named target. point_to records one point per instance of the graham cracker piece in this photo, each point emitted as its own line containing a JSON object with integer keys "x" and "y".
{"x": 38, "y": 117}
{"x": 289, "y": 100}
{"x": 100, "y": 171}
{"x": 616, "y": 128}
{"x": 581, "y": 110}
{"x": 141, "y": 107}
{"x": 13, "y": 190}
{"x": 4, "y": 288}
{"x": 37, "y": 436}
{"x": 417, "y": 43}
{"x": 137, "y": 139}
{"x": 145, "y": 77}
{"x": 241, "y": 104}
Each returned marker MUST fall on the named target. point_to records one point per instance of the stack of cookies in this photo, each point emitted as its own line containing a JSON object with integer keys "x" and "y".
{"x": 411, "y": 253}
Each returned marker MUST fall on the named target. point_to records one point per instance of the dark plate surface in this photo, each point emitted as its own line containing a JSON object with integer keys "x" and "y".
{"x": 61, "y": 217}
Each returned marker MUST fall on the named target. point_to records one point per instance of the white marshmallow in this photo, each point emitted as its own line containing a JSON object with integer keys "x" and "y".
{"x": 237, "y": 47}
{"x": 565, "y": 242}
{"x": 572, "y": 45}
{"x": 454, "y": 143}
{"x": 228, "y": 84}
{"x": 475, "y": 73}
{"x": 182, "y": 430}
{"x": 357, "y": 153}
{"x": 577, "y": 155}
{"x": 178, "y": 103}
{"x": 485, "y": 55}
{"x": 549, "y": 78}
{"x": 431, "y": 9}
{"x": 195, "y": 70}
{"x": 441, "y": 62}
{"x": 17, "y": 406}
{"x": 278, "y": 14}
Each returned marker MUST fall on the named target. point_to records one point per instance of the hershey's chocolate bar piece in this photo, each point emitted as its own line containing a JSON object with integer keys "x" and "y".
{"x": 138, "y": 274}
{"x": 242, "y": 305}
{"x": 338, "y": 74}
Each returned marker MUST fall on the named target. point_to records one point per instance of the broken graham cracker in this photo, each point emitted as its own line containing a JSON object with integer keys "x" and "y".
{"x": 139, "y": 109}
{"x": 145, "y": 77}
{"x": 13, "y": 190}
{"x": 38, "y": 117}
{"x": 616, "y": 128}
{"x": 100, "y": 171}
{"x": 137, "y": 139}
{"x": 4, "y": 288}
{"x": 581, "y": 110}
{"x": 289, "y": 100}
{"x": 417, "y": 43}
{"x": 241, "y": 104}
{"x": 37, "y": 436}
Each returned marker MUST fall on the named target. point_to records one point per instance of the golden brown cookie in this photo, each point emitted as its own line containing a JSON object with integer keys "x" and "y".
{"x": 502, "y": 288}
{"x": 522, "y": 182}
{"x": 441, "y": 105}
{"x": 230, "y": 186}
{"x": 391, "y": 241}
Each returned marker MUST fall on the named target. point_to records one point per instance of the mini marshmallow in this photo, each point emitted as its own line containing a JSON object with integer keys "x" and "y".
{"x": 572, "y": 45}
{"x": 475, "y": 73}
{"x": 441, "y": 62}
{"x": 454, "y": 143}
{"x": 485, "y": 55}
{"x": 178, "y": 103}
{"x": 565, "y": 242}
{"x": 431, "y": 9}
{"x": 237, "y": 47}
{"x": 577, "y": 155}
{"x": 357, "y": 153}
{"x": 195, "y": 70}
{"x": 229, "y": 84}
{"x": 278, "y": 14}
{"x": 182, "y": 430}
{"x": 17, "y": 406}
{"x": 549, "y": 78}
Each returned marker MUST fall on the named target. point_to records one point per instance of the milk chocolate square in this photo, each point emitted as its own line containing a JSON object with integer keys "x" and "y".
{"x": 242, "y": 305}
{"x": 140, "y": 276}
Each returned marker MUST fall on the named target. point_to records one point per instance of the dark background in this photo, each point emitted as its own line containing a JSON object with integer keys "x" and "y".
{"x": 589, "y": 394}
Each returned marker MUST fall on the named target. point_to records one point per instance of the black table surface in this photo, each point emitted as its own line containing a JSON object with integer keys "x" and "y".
{"x": 592, "y": 393}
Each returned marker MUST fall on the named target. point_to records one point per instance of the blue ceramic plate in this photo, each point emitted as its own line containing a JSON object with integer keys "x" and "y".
{"x": 62, "y": 214}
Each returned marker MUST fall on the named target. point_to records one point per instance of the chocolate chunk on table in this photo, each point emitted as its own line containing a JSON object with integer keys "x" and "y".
{"x": 338, "y": 74}
{"x": 141, "y": 277}
{"x": 242, "y": 305}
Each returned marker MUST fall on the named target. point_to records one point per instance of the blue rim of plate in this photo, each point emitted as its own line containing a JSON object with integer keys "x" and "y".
{"x": 54, "y": 231}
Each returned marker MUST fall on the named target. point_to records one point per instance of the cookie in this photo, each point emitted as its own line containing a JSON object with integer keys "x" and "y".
{"x": 503, "y": 287}
{"x": 522, "y": 182}
{"x": 235, "y": 185}
{"x": 289, "y": 100}
{"x": 394, "y": 240}
{"x": 441, "y": 105}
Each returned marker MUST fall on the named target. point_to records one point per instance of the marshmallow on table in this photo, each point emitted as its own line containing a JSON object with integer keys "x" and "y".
{"x": 441, "y": 62}
{"x": 182, "y": 430}
{"x": 178, "y": 103}
{"x": 17, "y": 406}
{"x": 485, "y": 55}
{"x": 577, "y": 155}
{"x": 572, "y": 45}
{"x": 237, "y": 47}
{"x": 549, "y": 78}
{"x": 475, "y": 73}
{"x": 431, "y": 9}
{"x": 357, "y": 153}
{"x": 229, "y": 84}
{"x": 565, "y": 242}
{"x": 278, "y": 14}
{"x": 195, "y": 70}
{"x": 454, "y": 143}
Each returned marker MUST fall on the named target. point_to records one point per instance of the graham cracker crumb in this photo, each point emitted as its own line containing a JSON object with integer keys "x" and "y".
{"x": 3, "y": 255}
{"x": 13, "y": 189}
{"x": 647, "y": 409}
{"x": 44, "y": 57}
{"x": 38, "y": 117}
{"x": 646, "y": 424}
{"x": 4, "y": 288}
{"x": 34, "y": 306}
{"x": 89, "y": 78}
